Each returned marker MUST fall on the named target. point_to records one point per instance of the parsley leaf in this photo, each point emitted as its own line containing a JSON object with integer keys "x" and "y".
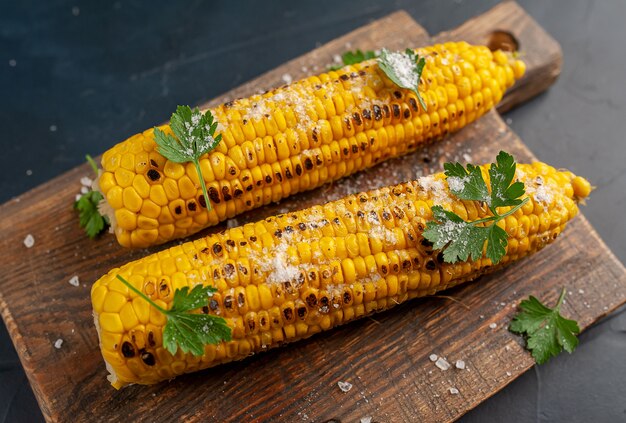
{"x": 89, "y": 217}
{"x": 404, "y": 69}
{"x": 354, "y": 57}
{"x": 194, "y": 135}
{"x": 547, "y": 332}
{"x": 466, "y": 184}
{"x": 460, "y": 240}
{"x": 186, "y": 330}
{"x": 501, "y": 173}
{"x": 470, "y": 238}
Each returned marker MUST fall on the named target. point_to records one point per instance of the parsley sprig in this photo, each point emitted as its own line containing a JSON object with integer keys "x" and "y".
{"x": 354, "y": 57}
{"x": 194, "y": 135}
{"x": 547, "y": 333}
{"x": 87, "y": 205}
{"x": 460, "y": 239}
{"x": 404, "y": 69}
{"x": 185, "y": 330}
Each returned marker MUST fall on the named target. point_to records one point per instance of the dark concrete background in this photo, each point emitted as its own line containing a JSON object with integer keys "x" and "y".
{"x": 77, "y": 76}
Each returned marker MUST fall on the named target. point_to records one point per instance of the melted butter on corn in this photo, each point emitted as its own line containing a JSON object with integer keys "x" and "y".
{"x": 297, "y": 138}
{"x": 290, "y": 276}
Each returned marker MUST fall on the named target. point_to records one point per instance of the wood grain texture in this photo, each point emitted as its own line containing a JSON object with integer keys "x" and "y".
{"x": 385, "y": 358}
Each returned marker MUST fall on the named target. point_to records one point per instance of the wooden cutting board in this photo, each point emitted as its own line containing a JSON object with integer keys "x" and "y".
{"x": 385, "y": 358}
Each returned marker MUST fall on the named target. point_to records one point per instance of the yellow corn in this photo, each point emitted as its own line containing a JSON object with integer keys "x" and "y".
{"x": 288, "y": 277}
{"x": 297, "y": 138}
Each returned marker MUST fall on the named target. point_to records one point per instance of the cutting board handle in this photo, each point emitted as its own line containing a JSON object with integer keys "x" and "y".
{"x": 509, "y": 27}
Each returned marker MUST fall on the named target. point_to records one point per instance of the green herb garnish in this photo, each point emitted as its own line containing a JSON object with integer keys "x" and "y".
{"x": 354, "y": 57}
{"x": 404, "y": 69}
{"x": 194, "y": 136}
{"x": 547, "y": 333}
{"x": 460, "y": 239}
{"x": 87, "y": 205}
{"x": 186, "y": 330}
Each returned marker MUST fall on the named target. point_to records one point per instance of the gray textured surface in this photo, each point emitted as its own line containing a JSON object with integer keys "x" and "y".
{"x": 106, "y": 70}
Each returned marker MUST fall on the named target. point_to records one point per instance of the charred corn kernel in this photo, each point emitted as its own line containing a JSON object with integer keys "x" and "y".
{"x": 300, "y": 136}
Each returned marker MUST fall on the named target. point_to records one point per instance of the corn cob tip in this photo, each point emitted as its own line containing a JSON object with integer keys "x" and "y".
{"x": 582, "y": 189}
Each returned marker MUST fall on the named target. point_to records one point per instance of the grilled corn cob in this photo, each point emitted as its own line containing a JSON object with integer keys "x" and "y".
{"x": 297, "y": 138}
{"x": 288, "y": 277}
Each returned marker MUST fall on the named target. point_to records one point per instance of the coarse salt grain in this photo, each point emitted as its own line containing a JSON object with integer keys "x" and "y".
{"x": 287, "y": 78}
{"x": 493, "y": 325}
{"x": 367, "y": 419}
{"x": 53, "y": 128}
{"x": 460, "y": 364}
{"x": 29, "y": 241}
{"x": 86, "y": 181}
{"x": 442, "y": 364}
{"x": 58, "y": 343}
{"x": 84, "y": 190}
{"x": 454, "y": 391}
{"x": 344, "y": 386}
{"x": 433, "y": 357}
{"x": 74, "y": 281}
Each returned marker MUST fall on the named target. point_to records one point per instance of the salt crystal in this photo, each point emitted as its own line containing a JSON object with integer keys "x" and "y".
{"x": 509, "y": 121}
{"x": 12, "y": 63}
{"x": 457, "y": 184}
{"x": 460, "y": 364}
{"x": 74, "y": 281}
{"x": 84, "y": 190}
{"x": 467, "y": 157}
{"x": 53, "y": 128}
{"x": 436, "y": 187}
{"x": 367, "y": 419}
{"x": 508, "y": 374}
{"x": 75, "y": 11}
{"x": 29, "y": 172}
{"x": 581, "y": 291}
{"x": 336, "y": 58}
{"x": 58, "y": 343}
{"x": 29, "y": 241}
{"x": 344, "y": 386}
{"x": 433, "y": 357}
{"x": 232, "y": 223}
{"x": 86, "y": 181}
{"x": 287, "y": 78}
{"x": 493, "y": 325}
{"x": 442, "y": 364}
{"x": 454, "y": 391}
{"x": 78, "y": 197}
{"x": 543, "y": 194}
